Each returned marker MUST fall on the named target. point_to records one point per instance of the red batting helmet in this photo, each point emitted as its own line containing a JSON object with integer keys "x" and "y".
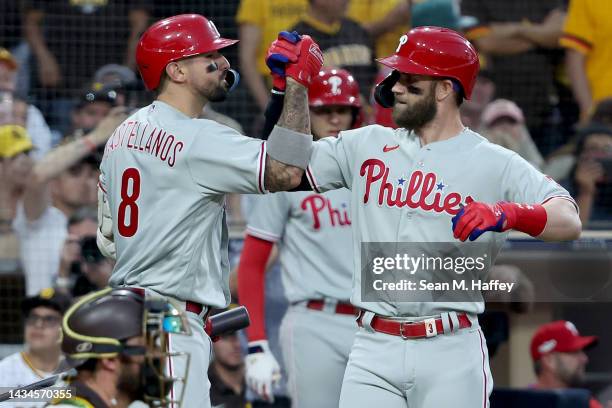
{"x": 334, "y": 86}
{"x": 174, "y": 38}
{"x": 436, "y": 52}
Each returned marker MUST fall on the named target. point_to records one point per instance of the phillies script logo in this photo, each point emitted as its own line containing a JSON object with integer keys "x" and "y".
{"x": 405, "y": 193}
{"x": 320, "y": 206}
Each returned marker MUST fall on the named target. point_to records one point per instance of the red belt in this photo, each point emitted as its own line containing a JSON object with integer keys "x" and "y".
{"x": 190, "y": 306}
{"x": 341, "y": 307}
{"x": 413, "y": 330}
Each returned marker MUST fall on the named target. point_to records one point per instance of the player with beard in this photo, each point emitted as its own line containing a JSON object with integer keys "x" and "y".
{"x": 166, "y": 172}
{"x": 421, "y": 191}
{"x": 116, "y": 339}
{"x": 559, "y": 358}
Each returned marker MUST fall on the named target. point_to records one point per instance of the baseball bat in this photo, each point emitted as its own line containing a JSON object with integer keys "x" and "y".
{"x": 227, "y": 322}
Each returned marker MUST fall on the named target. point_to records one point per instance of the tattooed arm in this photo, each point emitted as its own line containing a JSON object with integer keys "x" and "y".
{"x": 294, "y": 117}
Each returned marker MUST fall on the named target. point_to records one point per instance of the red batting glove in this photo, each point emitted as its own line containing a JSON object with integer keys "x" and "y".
{"x": 284, "y": 50}
{"x": 308, "y": 64}
{"x": 476, "y": 218}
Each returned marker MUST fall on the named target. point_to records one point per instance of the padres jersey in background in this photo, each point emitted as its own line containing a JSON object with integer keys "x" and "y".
{"x": 402, "y": 192}
{"x": 587, "y": 30}
{"x": 314, "y": 235}
{"x": 345, "y": 44}
{"x": 165, "y": 175}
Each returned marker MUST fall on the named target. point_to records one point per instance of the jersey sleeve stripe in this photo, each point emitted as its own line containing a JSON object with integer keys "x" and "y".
{"x": 261, "y": 170}
{"x": 564, "y": 197}
{"x": 261, "y": 234}
{"x": 576, "y": 43}
{"x": 312, "y": 180}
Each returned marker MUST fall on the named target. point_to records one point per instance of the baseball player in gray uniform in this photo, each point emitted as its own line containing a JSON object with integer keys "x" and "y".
{"x": 165, "y": 173}
{"x": 313, "y": 233}
{"x": 431, "y": 181}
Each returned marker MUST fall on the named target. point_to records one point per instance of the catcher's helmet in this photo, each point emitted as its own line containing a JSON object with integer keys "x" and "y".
{"x": 437, "y": 52}
{"x": 174, "y": 38}
{"x": 100, "y": 324}
{"x": 334, "y": 86}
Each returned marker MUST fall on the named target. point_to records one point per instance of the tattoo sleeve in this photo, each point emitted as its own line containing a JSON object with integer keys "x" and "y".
{"x": 295, "y": 116}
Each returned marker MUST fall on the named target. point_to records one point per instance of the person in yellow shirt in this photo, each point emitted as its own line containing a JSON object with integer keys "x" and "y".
{"x": 261, "y": 20}
{"x": 586, "y": 37}
{"x": 385, "y": 20}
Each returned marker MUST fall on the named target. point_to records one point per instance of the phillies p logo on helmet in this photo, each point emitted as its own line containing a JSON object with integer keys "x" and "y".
{"x": 403, "y": 40}
{"x": 335, "y": 82}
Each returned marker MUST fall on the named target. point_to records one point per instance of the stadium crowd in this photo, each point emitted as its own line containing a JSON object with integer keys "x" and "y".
{"x": 68, "y": 77}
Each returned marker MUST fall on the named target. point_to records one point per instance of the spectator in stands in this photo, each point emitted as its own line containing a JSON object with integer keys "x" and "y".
{"x": 521, "y": 40}
{"x": 586, "y": 38}
{"x": 559, "y": 164}
{"x": 71, "y": 39}
{"x": 503, "y": 123}
{"x": 345, "y": 43}
{"x": 226, "y": 372}
{"x": 35, "y": 122}
{"x": 482, "y": 95}
{"x": 259, "y": 22}
{"x": 118, "y": 78}
{"x": 385, "y": 20}
{"x": 94, "y": 104}
{"x": 15, "y": 167}
{"x": 59, "y": 184}
{"x": 82, "y": 267}
{"x": 559, "y": 359}
{"x": 42, "y": 337}
{"x": 591, "y": 179}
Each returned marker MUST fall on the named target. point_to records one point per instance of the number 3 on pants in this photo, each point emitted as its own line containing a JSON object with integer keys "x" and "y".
{"x": 129, "y": 201}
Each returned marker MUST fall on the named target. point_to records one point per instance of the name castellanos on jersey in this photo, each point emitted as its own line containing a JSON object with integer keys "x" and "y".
{"x": 320, "y": 207}
{"x": 141, "y": 137}
{"x": 406, "y": 191}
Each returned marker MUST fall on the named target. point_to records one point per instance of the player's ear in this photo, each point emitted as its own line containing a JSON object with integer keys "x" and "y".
{"x": 443, "y": 89}
{"x": 109, "y": 364}
{"x": 176, "y": 71}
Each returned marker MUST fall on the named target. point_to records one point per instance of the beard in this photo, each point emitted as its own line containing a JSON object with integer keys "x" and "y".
{"x": 418, "y": 115}
{"x": 131, "y": 385}
{"x": 219, "y": 94}
{"x": 572, "y": 377}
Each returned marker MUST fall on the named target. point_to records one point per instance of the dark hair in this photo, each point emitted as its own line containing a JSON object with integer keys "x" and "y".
{"x": 586, "y": 132}
{"x": 89, "y": 365}
{"x": 459, "y": 94}
{"x": 581, "y": 138}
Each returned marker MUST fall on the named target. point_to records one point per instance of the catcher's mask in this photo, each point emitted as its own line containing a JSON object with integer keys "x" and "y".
{"x": 100, "y": 323}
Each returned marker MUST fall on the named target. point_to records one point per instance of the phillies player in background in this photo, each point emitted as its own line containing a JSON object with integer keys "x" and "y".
{"x": 165, "y": 174}
{"x": 314, "y": 236}
{"x": 430, "y": 181}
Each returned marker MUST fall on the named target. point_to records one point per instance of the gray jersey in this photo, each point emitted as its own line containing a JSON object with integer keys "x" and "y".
{"x": 402, "y": 192}
{"x": 315, "y": 241}
{"x": 165, "y": 176}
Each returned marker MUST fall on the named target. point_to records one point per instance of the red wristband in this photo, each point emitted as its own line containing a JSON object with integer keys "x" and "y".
{"x": 528, "y": 218}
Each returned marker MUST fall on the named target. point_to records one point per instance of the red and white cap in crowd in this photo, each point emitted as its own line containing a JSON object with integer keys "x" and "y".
{"x": 559, "y": 336}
